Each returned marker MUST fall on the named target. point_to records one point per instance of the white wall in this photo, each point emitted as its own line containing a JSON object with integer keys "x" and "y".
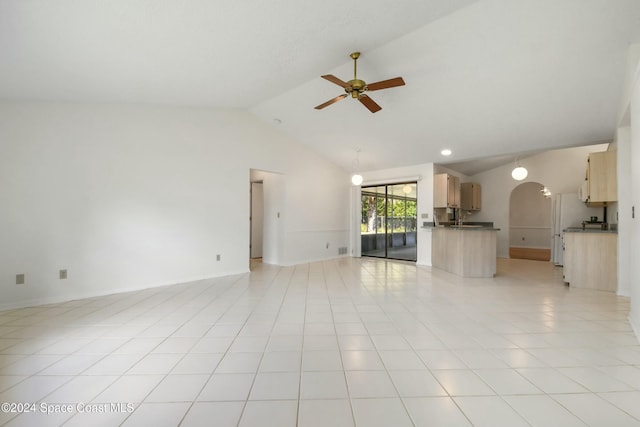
{"x": 623, "y": 208}
{"x": 425, "y": 201}
{"x": 561, "y": 171}
{"x": 634, "y": 223}
{"x": 131, "y": 197}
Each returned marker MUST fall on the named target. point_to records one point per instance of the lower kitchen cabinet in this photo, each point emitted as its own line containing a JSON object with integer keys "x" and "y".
{"x": 591, "y": 260}
{"x": 466, "y": 251}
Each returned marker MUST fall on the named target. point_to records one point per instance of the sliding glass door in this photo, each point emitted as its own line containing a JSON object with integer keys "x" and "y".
{"x": 389, "y": 221}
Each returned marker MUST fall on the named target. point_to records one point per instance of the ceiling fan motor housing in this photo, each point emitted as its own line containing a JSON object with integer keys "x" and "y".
{"x": 357, "y": 86}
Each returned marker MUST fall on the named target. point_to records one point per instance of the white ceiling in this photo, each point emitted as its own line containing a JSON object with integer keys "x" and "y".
{"x": 484, "y": 78}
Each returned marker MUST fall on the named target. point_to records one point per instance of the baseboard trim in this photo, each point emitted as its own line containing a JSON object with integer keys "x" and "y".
{"x": 310, "y": 261}
{"x": 35, "y": 302}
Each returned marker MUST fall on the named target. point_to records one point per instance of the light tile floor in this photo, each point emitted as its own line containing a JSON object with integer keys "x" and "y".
{"x": 347, "y": 342}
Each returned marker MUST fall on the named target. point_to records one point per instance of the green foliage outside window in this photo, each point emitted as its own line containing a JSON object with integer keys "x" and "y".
{"x": 400, "y": 216}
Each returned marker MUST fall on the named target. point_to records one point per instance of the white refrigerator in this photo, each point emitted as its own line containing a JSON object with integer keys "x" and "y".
{"x": 568, "y": 211}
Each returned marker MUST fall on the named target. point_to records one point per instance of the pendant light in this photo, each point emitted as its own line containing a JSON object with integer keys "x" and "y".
{"x": 519, "y": 172}
{"x": 356, "y": 178}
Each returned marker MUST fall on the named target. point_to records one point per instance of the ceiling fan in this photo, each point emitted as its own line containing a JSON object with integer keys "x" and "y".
{"x": 357, "y": 88}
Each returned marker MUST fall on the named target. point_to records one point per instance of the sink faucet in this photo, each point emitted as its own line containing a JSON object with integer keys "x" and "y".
{"x": 460, "y": 218}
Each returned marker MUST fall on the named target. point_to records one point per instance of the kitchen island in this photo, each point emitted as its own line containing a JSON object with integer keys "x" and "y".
{"x": 591, "y": 258}
{"x": 467, "y": 250}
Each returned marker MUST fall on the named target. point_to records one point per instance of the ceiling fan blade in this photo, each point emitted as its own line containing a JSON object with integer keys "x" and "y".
{"x": 385, "y": 84}
{"x": 369, "y": 103}
{"x": 334, "y": 79}
{"x": 331, "y": 101}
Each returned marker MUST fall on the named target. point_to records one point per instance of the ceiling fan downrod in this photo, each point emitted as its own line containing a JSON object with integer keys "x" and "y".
{"x": 357, "y": 87}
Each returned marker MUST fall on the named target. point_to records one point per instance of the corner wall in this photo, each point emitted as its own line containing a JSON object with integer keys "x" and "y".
{"x": 625, "y": 263}
{"x": 634, "y": 223}
{"x": 127, "y": 198}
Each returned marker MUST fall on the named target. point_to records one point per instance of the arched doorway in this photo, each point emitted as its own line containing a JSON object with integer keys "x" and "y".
{"x": 530, "y": 225}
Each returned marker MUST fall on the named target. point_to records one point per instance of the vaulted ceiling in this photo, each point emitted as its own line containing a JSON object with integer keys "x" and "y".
{"x": 483, "y": 78}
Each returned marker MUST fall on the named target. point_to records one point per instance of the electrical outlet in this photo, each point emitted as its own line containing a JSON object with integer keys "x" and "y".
{"x": 218, "y": 257}
{"x": 19, "y": 279}
{"x": 63, "y": 274}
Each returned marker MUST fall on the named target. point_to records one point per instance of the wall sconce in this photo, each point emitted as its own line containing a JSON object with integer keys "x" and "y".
{"x": 546, "y": 193}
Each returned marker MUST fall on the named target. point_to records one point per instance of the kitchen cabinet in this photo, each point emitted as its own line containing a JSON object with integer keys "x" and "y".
{"x": 446, "y": 192}
{"x": 470, "y": 196}
{"x": 602, "y": 185}
{"x": 466, "y": 252}
{"x": 591, "y": 259}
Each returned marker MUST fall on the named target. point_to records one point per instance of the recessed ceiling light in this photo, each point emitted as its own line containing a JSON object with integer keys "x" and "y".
{"x": 446, "y": 152}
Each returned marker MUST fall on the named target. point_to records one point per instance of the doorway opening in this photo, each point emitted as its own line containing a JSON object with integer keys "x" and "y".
{"x": 257, "y": 220}
{"x": 530, "y": 222}
{"x": 267, "y": 191}
{"x": 389, "y": 221}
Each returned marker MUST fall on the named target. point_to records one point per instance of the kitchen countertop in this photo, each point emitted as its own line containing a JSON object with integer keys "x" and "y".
{"x": 469, "y": 228}
{"x": 588, "y": 230}
{"x": 481, "y": 226}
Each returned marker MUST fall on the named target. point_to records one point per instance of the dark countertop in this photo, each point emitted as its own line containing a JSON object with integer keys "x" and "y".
{"x": 588, "y": 230}
{"x": 468, "y": 228}
{"x": 466, "y": 225}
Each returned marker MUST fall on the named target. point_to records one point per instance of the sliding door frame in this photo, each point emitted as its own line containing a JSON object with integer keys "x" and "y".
{"x": 388, "y": 205}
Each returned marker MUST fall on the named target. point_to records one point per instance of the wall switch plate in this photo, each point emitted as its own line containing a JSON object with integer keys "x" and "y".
{"x": 63, "y": 274}
{"x": 425, "y": 216}
{"x": 19, "y": 279}
{"x": 218, "y": 257}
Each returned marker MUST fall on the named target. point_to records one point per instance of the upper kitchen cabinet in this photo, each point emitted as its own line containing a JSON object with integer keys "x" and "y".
{"x": 446, "y": 192}
{"x": 602, "y": 185}
{"x": 470, "y": 196}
